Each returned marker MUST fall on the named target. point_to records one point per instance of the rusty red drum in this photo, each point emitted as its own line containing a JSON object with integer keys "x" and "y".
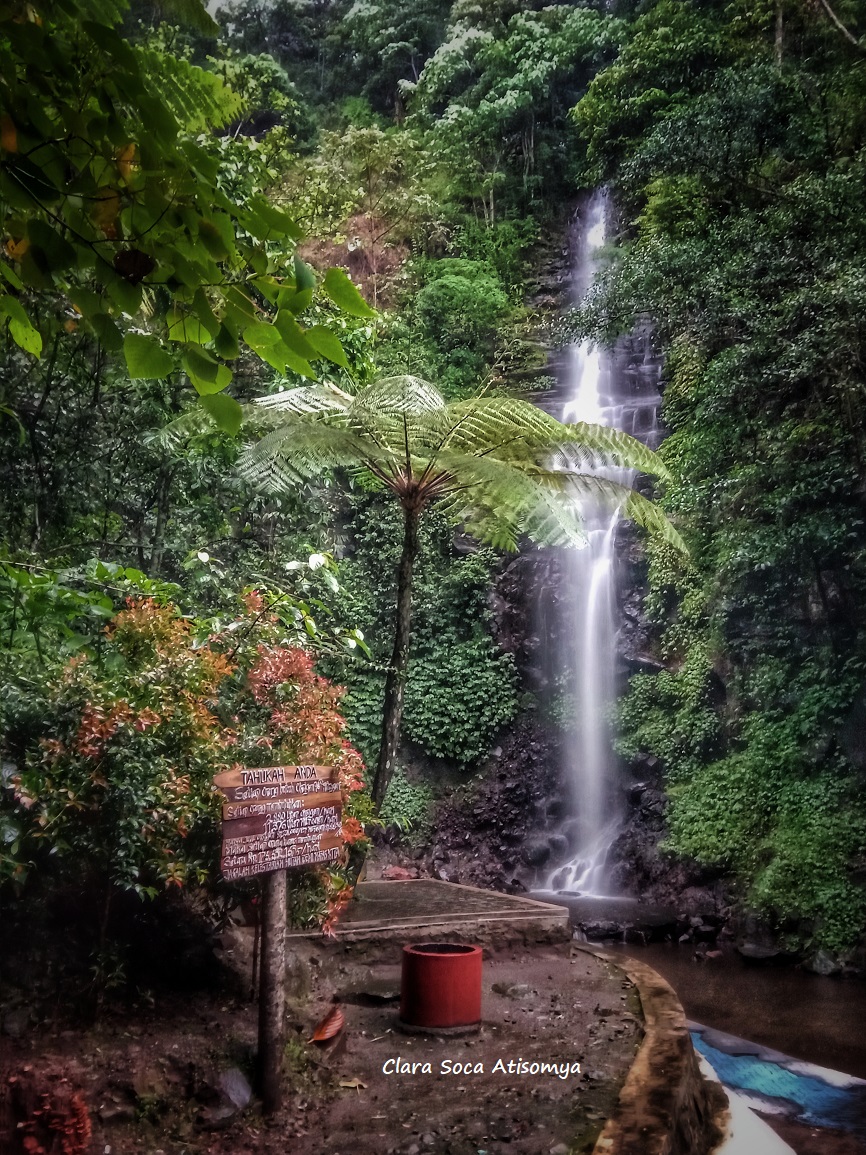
{"x": 441, "y": 986}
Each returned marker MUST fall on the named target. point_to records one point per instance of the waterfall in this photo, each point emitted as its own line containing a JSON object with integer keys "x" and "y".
{"x": 606, "y": 387}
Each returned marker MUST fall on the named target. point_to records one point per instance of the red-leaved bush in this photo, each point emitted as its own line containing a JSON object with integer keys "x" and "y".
{"x": 121, "y": 780}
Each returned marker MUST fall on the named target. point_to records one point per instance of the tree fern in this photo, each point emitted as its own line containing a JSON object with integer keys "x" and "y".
{"x": 499, "y": 466}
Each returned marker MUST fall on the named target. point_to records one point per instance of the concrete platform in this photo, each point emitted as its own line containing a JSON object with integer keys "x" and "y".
{"x": 426, "y": 909}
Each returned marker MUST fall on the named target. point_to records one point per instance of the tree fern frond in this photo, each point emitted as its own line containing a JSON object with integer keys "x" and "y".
{"x": 199, "y": 100}
{"x": 651, "y": 518}
{"x": 424, "y": 432}
{"x": 479, "y": 423}
{"x": 306, "y": 399}
{"x": 530, "y": 500}
{"x": 518, "y": 426}
{"x": 632, "y": 505}
{"x": 612, "y": 447}
{"x": 302, "y": 450}
{"x": 403, "y": 394}
{"x": 500, "y": 532}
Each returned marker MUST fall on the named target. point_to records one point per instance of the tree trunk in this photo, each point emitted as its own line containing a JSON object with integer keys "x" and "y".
{"x": 392, "y": 711}
{"x": 157, "y": 548}
{"x": 780, "y": 32}
{"x": 272, "y": 991}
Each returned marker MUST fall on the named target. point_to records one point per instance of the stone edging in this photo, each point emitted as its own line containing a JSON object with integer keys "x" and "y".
{"x": 665, "y": 1106}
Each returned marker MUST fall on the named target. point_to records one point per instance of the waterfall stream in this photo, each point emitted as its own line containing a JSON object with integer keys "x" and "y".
{"x": 606, "y": 387}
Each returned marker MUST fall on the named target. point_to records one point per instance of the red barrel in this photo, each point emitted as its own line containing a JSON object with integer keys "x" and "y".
{"x": 441, "y": 986}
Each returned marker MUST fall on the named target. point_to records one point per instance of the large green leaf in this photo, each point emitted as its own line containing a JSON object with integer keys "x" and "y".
{"x": 206, "y": 373}
{"x": 21, "y": 328}
{"x": 264, "y": 220}
{"x": 107, "y": 333}
{"x": 226, "y": 412}
{"x": 294, "y": 336}
{"x": 345, "y": 295}
{"x": 184, "y": 327}
{"x": 145, "y": 357}
{"x": 327, "y": 344}
{"x": 304, "y": 276}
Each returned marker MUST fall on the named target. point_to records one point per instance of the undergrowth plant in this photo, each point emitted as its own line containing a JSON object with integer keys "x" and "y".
{"x": 117, "y": 784}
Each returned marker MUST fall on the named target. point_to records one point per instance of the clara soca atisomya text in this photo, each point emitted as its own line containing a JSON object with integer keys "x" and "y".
{"x": 519, "y": 1066}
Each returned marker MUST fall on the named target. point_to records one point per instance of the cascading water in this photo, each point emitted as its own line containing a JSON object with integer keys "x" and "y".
{"x": 606, "y": 388}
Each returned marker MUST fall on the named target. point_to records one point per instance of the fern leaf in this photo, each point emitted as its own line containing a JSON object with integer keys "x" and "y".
{"x": 199, "y": 100}
{"x": 305, "y": 400}
{"x": 403, "y": 395}
{"x": 615, "y": 448}
{"x": 305, "y": 449}
{"x": 631, "y": 504}
{"x": 527, "y": 500}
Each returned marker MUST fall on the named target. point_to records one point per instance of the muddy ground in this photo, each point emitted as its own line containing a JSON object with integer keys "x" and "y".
{"x": 162, "y": 1075}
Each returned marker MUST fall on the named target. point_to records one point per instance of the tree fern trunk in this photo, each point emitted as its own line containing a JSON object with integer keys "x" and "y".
{"x": 392, "y": 712}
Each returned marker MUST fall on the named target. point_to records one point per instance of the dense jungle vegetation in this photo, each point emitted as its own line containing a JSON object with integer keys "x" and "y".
{"x": 425, "y": 152}
{"x": 734, "y": 138}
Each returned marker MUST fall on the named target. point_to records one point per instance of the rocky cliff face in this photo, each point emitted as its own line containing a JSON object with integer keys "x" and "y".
{"x": 496, "y": 835}
{"x": 516, "y": 826}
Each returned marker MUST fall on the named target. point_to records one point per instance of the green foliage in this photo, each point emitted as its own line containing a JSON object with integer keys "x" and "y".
{"x": 121, "y": 777}
{"x": 408, "y": 806}
{"x": 461, "y": 311}
{"x": 670, "y": 52}
{"x": 502, "y": 247}
{"x": 462, "y": 305}
{"x": 386, "y": 42}
{"x": 455, "y": 710}
{"x": 112, "y": 206}
{"x": 372, "y": 170}
{"x": 460, "y": 687}
{"x": 495, "y": 94}
{"x": 779, "y": 809}
{"x": 672, "y": 715}
{"x": 117, "y": 772}
{"x": 739, "y": 149}
{"x": 267, "y": 94}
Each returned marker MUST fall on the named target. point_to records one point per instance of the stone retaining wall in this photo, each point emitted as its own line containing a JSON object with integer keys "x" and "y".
{"x": 665, "y": 1106}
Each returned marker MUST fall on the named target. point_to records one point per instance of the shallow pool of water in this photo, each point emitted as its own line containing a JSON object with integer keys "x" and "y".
{"x": 821, "y": 1020}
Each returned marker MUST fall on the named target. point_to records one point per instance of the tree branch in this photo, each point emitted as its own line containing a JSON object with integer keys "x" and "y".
{"x": 835, "y": 20}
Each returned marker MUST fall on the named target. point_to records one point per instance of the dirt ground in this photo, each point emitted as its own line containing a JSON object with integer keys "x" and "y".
{"x": 160, "y": 1079}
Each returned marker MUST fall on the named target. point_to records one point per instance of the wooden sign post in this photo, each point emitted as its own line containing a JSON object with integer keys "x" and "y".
{"x": 277, "y": 818}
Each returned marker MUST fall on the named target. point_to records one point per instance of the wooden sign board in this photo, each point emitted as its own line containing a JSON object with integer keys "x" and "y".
{"x": 279, "y": 818}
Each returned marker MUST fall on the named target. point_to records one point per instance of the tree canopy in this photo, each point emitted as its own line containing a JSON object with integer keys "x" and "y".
{"x": 115, "y": 215}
